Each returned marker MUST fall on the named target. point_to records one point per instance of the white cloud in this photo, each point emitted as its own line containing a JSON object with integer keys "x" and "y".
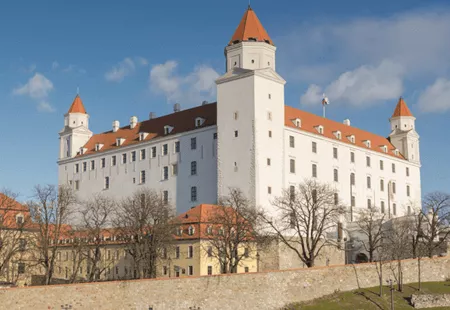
{"x": 73, "y": 68}
{"x": 37, "y": 87}
{"x": 44, "y": 106}
{"x": 436, "y": 98}
{"x": 361, "y": 87}
{"x": 322, "y": 52}
{"x": 188, "y": 89}
{"x": 125, "y": 68}
{"x": 55, "y": 65}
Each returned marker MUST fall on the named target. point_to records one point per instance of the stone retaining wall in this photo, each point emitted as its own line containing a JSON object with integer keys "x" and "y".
{"x": 270, "y": 290}
{"x": 430, "y": 301}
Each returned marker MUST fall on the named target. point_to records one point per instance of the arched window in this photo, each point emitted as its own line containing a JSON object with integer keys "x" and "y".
{"x": 191, "y": 230}
{"x": 209, "y": 230}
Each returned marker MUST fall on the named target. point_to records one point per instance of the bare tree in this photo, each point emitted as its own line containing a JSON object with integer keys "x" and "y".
{"x": 97, "y": 216}
{"x": 370, "y": 224}
{"x": 50, "y": 209}
{"x": 398, "y": 246}
{"x": 436, "y": 218}
{"x": 305, "y": 217}
{"x": 142, "y": 221}
{"x": 77, "y": 248}
{"x": 232, "y": 231}
{"x": 14, "y": 221}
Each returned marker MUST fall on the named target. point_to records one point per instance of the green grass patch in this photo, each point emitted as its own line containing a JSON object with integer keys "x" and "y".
{"x": 368, "y": 298}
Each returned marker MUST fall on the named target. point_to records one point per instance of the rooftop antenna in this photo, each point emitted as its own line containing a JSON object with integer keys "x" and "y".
{"x": 325, "y": 102}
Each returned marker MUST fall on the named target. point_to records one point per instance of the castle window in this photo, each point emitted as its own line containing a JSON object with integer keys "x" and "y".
{"x": 381, "y": 165}
{"x": 409, "y": 210}
{"x": 113, "y": 160}
{"x": 408, "y": 190}
{"x": 352, "y": 179}
{"x": 124, "y": 158}
{"x": 270, "y": 133}
{"x": 292, "y": 165}
{"x": 235, "y": 115}
{"x": 369, "y": 182}
{"x": 199, "y": 121}
{"x": 351, "y": 138}
{"x": 142, "y": 136}
{"x": 368, "y": 143}
{"x": 291, "y": 141}
{"x": 314, "y": 170}
{"x": 177, "y": 147}
{"x": 165, "y": 197}
{"x": 382, "y": 207}
{"x": 142, "y": 154}
{"x": 236, "y": 133}
{"x": 352, "y": 157}
{"x": 153, "y": 151}
{"x": 174, "y": 169}
{"x": 193, "y": 167}
{"x": 133, "y": 156}
{"x": 215, "y": 136}
{"x": 335, "y": 152}
{"x": 393, "y": 168}
{"x": 269, "y": 116}
{"x": 394, "y": 209}
{"x": 193, "y": 143}
{"x": 253, "y": 61}
{"x": 394, "y": 189}
{"x": 382, "y": 185}
{"x": 77, "y": 168}
{"x": 292, "y": 192}
{"x": 270, "y": 96}
{"x": 268, "y": 161}
{"x": 369, "y": 203}
{"x": 190, "y": 270}
{"x": 336, "y": 199}
{"x": 314, "y": 147}
{"x": 269, "y": 190}
{"x": 92, "y": 164}
{"x": 77, "y": 185}
{"x": 335, "y": 175}
{"x": 367, "y": 161}
{"x": 194, "y": 193}
{"x": 103, "y": 162}
{"x": 338, "y": 135}
{"x": 165, "y": 173}
{"x": 167, "y": 129}
{"x": 142, "y": 177}
{"x": 407, "y": 171}
{"x": 84, "y": 166}
{"x": 165, "y": 149}
{"x": 106, "y": 183}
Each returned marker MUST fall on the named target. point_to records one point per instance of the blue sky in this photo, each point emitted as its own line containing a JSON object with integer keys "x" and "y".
{"x": 130, "y": 58}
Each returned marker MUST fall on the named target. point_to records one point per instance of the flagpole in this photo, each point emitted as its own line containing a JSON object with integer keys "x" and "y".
{"x": 323, "y": 105}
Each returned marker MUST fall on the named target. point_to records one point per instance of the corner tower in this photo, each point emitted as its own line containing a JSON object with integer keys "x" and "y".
{"x": 250, "y": 116}
{"x": 76, "y": 131}
{"x": 403, "y": 133}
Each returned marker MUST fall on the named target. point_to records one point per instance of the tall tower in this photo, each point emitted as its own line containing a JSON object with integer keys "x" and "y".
{"x": 76, "y": 131}
{"x": 250, "y": 115}
{"x": 403, "y": 134}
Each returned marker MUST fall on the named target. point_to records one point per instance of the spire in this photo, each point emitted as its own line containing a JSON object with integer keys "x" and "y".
{"x": 77, "y": 106}
{"x": 250, "y": 29}
{"x": 401, "y": 109}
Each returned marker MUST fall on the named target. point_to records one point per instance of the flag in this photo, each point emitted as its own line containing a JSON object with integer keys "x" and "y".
{"x": 325, "y": 100}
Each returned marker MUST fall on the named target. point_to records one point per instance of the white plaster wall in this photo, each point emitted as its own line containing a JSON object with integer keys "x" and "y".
{"x": 251, "y": 55}
{"x": 121, "y": 175}
{"x": 304, "y": 158}
{"x": 236, "y": 96}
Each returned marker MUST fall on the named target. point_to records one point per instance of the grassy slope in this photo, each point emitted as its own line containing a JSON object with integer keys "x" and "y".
{"x": 367, "y": 299}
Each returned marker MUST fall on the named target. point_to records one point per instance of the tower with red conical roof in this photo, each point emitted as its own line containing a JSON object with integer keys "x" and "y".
{"x": 76, "y": 131}
{"x": 250, "y": 46}
{"x": 403, "y": 132}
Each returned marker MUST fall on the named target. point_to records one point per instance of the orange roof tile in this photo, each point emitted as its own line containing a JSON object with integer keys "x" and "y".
{"x": 401, "y": 109}
{"x": 250, "y": 29}
{"x": 309, "y": 123}
{"x": 77, "y": 106}
{"x": 181, "y": 121}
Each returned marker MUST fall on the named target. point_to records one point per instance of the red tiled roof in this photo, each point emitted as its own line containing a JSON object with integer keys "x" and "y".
{"x": 309, "y": 123}
{"x": 77, "y": 106}
{"x": 250, "y": 29}
{"x": 401, "y": 109}
{"x": 184, "y": 121}
{"x": 181, "y": 121}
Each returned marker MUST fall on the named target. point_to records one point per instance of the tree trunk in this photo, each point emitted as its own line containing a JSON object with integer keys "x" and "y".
{"x": 381, "y": 279}
{"x": 419, "y": 275}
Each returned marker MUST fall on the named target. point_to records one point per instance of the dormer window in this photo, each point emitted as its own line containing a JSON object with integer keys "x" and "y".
{"x": 367, "y": 143}
{"x": 167, "y": 129}
{"x": 351, "y": 138}
{"x": 297, "y": 122}
{"x": 209, "y": 230}
{"x": 98, "y": 146}
{"x": 19, "y": 219}
{"x": 179, "y": 231}
{"x": 338, "y": 135}
{"x": 82, "y": 150}
{"x": 191, "y": 230}
{"x": 142, "y": 136}
{"x": 119, "y": 141}
{"x": 396, "y": 152}
{"x": 384, "y": 148}
{"x": 199, "y": 121}
{"x": 320, "y": 129}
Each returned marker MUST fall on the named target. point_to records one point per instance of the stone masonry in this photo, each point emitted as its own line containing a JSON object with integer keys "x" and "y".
{"x": 269, "y": 290}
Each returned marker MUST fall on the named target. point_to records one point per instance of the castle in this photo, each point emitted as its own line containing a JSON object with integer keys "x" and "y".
{"x": 249, "y": 139}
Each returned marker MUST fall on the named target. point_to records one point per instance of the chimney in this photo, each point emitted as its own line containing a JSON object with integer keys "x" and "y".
{"x": 133, "y": 122}
{"x": 176, "y": 107}
{"x": 152, "y": 115}
{"x": 347, "y": 122}
{"x": 115, "y": 126}
{"x": 204, "y": 102}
